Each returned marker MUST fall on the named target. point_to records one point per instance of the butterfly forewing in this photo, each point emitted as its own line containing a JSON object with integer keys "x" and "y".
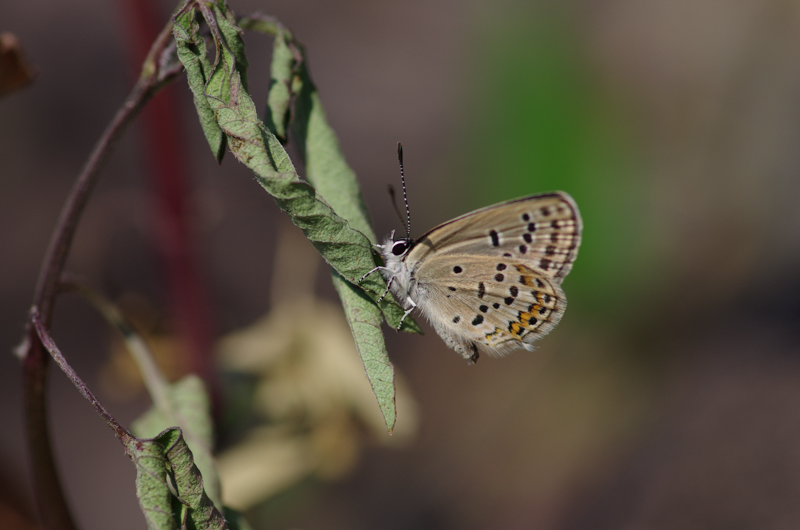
{"x": 542, "y": 231}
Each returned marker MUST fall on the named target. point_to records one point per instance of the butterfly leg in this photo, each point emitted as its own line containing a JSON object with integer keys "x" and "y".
{"x": 358, "y": 282}
{"x": 388, "y": 286}
{"x": 408, "y": 311}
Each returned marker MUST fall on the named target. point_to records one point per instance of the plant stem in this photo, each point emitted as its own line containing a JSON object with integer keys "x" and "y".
{"x": 50, "y": 345}
{"x": 50, "y": 501}
{"x": 172, "y": 227}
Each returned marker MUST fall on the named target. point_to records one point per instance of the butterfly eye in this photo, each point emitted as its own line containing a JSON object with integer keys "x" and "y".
{"x": 400, "y": 247}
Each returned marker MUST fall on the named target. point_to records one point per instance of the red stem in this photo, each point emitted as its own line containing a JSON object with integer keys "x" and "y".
{"x": 170, "y": 184}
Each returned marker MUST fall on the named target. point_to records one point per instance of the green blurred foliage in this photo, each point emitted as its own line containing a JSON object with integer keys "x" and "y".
{"x": 543, "y": 123}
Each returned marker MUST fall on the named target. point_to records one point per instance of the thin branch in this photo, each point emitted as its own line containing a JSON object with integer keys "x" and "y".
{"x": 158, "y": 69}
{"x": 50, "y": 345}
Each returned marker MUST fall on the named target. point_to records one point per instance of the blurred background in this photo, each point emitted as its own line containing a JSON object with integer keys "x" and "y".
{"x": 668, "y": 396}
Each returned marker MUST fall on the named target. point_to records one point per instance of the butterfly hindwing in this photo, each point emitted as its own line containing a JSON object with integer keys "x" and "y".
{"x": 512, "y": 307}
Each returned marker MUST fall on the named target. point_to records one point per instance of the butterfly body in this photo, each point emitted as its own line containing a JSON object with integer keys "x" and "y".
{"x": 489, "y": 280}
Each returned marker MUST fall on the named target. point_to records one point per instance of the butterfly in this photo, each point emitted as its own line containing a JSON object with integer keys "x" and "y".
{"x": 489, "y": 280}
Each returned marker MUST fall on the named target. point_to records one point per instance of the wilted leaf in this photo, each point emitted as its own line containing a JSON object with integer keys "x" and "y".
{"x": 347, "y": 250}
{"x": 155, "y": 497}
{"x": 192, "y": 54}
{"x": 328, "y": 171}
{"x": 189, "y": 483}
{"x": 365, "y": 322}
{"x": 186, "y": 404}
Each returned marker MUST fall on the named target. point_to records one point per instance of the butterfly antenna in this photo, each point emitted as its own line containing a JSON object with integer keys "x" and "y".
{"x": 403, "y": 181}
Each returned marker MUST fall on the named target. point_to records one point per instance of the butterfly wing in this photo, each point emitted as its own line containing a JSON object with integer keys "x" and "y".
{"x": 543, "y": 230}
{"x": 492, "y": 277}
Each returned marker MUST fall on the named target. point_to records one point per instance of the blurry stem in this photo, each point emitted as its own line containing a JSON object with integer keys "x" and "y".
{"x": 156, "y": 383}
{"x": 48, "y": 494}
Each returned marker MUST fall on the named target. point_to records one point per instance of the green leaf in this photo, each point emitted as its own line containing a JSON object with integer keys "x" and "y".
{"x": 155, "y": 497}
{"x": 328, "y": 171}
{"x": 184, "y": 404}
{"x": 157, "y": 461}
{"x": 365, "y": 323}
{"x": 188, "y": 480}
{"x": 230, "y": 57}
{"x": 346, "y": 250}
{"x": 192, "y": 54}
{"x": 337, "y": 225}
{"x": 282, "y": 73}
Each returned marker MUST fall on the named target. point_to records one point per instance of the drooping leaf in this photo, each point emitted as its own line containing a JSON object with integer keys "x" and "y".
{"x": 337, "y": 225}
{"x": 186, "y": 404}
{"x": 155, "y": 497}
{"x": 365, "y": 324}
{"x": 188, "y": 480}
{"x": 345, "y": 249}
{"x": 192, "y": 54}
{"x": 330, "y": 174}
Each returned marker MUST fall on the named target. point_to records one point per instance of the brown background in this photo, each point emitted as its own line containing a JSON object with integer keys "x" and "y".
{"x": 667, "y": 398}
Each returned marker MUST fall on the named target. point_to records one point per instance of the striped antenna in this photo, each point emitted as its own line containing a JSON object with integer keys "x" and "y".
{"x": 403, "y": 181}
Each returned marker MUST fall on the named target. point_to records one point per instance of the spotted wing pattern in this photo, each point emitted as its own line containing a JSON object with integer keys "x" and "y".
{"x": 491, "y": 278}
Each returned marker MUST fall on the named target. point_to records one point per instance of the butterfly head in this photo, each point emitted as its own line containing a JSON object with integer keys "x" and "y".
{"x": 400, "y": 247}
{"x": 394, "y": 249}
{"x": 394, "y": 252}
